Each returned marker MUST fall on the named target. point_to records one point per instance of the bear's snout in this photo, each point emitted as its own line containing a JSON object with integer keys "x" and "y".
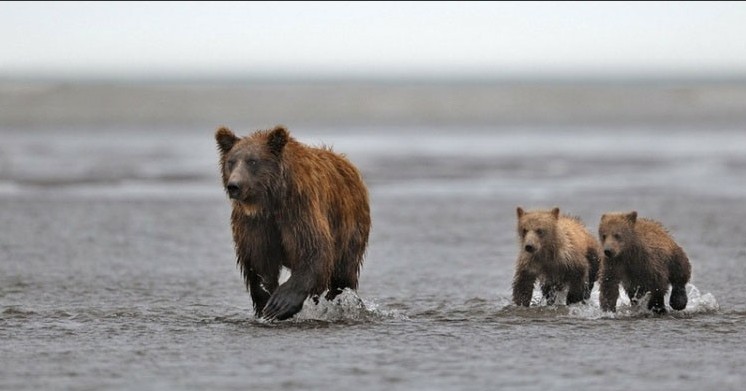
{"x": 234, "y": 190}
{"x": 608, "y": 252}
{"x": 529, "y": 248}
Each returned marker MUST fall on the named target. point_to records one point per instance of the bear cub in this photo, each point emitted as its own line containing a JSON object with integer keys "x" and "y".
{"x": 297, "y": 206}
{"x": 640, "y": 254}
{"x": 557, "y": 250}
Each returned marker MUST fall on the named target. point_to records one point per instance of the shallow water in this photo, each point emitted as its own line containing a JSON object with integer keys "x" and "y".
{"x": 117, "y": 268}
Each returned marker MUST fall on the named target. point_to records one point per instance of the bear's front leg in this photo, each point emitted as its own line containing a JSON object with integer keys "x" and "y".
{"x": 523, "y": 287}
{"x": 634, "y": 292}
{"x": 577, "y": 290}
{"x": 657, "y": 302}
{"x": 285, "y": 302}
{"x": 608, "y": 290}
{"x": 587, "y": 289}
{"x": 308, "y": 247}
{"x": 549, "y": 291}
{"x": 678, "y": 297}
{"x": 288, "y": 299}
{"x": 577, "y": 284}
{"x": 261, "y": 288}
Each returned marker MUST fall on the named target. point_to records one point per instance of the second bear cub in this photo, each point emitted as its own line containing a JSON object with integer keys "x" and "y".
{"x": 641, "y": 255}
{"x": 557, "y": 250}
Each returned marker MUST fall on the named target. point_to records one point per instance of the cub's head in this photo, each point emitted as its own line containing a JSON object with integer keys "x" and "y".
{"x": 615, "y": 232}
{"x": 251, "y": 166}
{"x": 537, "y": 229}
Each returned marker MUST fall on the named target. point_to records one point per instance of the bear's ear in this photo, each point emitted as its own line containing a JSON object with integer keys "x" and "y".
{"x": 555, "y": 212}
{"x": 631, "y": 217}
{"x": 277, "y": 139}
{"x": 226, "y": 139}
{"x": 520, "y": 212}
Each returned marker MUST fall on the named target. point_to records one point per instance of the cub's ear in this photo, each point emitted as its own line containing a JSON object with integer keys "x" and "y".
{"x": 631, "y": 216}
{"x": 226, "y": 139}
{"x": 277, "y": 139}
{"x": 520, "y": 212}
{"x": 555, "y": 212}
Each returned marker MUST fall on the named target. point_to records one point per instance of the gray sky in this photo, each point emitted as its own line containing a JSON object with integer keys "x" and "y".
{"x": 217, "y": 40}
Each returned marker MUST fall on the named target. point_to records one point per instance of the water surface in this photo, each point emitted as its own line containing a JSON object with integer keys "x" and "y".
{"x": 117, "y": 268}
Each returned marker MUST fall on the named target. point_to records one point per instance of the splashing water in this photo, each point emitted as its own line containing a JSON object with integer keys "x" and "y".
{"x": 697, "y": 303}
{"x": 346, "y": 307}
{"x": 700, "y": 303}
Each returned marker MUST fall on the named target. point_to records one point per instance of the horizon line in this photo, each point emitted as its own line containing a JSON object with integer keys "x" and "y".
{"x": 264, "y": 78}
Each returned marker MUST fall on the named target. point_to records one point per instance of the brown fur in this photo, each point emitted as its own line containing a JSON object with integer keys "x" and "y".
{"x": 296, "y": 206}
{"x": 641, "y": 255}
{"x": 559, "y": 251}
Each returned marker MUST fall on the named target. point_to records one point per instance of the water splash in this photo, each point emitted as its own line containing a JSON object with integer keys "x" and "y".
{"x": 346, "y": 307}
{"x": 700, "y": 303}
{"x": 697, "y": 304}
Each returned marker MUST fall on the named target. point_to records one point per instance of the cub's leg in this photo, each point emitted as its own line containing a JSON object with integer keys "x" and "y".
{"x": 576, "y": 292}
{"x": 523, "y": 287}
{"x": 679, "y": 271}
{"x": 549, "y": 291}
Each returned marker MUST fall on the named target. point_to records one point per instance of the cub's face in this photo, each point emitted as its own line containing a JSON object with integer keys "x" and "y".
{"x": 615, "y": 230}
{"x": 251, "y": 165}
{"x": 536, "y": 229}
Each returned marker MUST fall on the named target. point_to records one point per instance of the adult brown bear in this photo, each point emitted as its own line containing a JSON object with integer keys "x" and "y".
{"x": 296, "y": 206}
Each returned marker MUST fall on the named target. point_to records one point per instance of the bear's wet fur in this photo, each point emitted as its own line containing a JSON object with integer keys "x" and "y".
{"x": 557, "y": 250}
{"x": 302, "y": 207}
{"x": 640, "y": 254}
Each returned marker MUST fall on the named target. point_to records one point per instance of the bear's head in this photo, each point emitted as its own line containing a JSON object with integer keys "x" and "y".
{"x": 615, "y": 231}
{"x": 537, "y": 230}
{"x": 251, "y": 166}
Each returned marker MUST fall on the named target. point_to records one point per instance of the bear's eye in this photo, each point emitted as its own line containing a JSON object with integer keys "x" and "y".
{"x": 231, "y": 163}
{"x": 251, "y": 162}
{"x": 540, "y": 232}
{"x": 617, "y": 236}
{"x": 603, "y": 237}
{"x": 524, "y": 232}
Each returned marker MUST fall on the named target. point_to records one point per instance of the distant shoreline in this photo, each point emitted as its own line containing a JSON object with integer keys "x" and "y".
{"x": 373, "y": 103}
{"x": 611, "y": 80}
